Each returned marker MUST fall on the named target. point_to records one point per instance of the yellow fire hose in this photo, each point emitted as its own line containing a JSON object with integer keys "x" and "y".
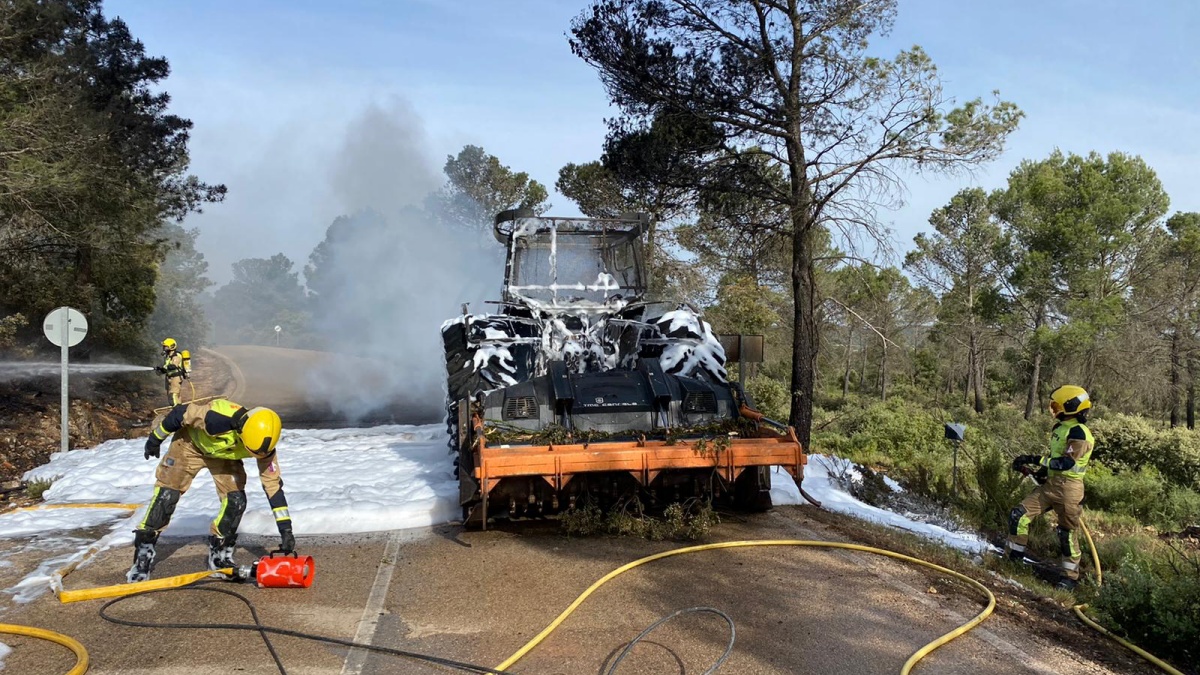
{"x": 908, "y": 665}
{"x": 205, "y": 399}
{"x": 1081, "y": 608}
{"x": 44, "y": 507}
{"x": 81, "y": 654}
{"x": 118, "y": 590}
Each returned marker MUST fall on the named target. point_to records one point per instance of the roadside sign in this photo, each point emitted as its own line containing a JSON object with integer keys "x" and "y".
{"x": 64, "y": 327}
{"x": 743, "y": 348}
{"x": 76, "y": 326}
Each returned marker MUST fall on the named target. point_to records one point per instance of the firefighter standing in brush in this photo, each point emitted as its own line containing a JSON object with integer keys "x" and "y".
{"x": 173, "y": 368}
{"x": 1060, "y": 474}
{"x": 216, "y": 435}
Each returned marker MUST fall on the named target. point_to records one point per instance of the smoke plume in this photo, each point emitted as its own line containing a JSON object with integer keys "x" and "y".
{"x": 390, "y": 272}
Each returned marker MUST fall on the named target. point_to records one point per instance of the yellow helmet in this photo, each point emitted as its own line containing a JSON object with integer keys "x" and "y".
{"x": 260, "y": 431}
{"x": 168, "y": 344}
{"x": 1069, "y": 400}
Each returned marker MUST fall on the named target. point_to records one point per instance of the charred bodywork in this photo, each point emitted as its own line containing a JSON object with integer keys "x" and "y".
{"x": 576, "y": 387}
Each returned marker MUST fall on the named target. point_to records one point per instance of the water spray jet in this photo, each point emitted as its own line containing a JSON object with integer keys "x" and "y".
{"x": 11, "y": 371}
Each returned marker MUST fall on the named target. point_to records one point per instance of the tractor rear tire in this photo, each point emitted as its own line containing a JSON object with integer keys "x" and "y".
{"x": 752, "y": 490}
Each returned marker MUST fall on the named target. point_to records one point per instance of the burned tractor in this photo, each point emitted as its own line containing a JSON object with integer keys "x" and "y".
{"x": 577, "y": 389}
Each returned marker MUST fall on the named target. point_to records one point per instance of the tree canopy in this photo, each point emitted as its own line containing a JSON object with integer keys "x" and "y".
{"x": 92, "y": 164}
{"x": 478, "y": 187}
{"x": 798, "y": 83}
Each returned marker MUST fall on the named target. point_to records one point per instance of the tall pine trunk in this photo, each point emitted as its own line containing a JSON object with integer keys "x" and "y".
{"x": 976, "y": 369}
{"x": 804, "y": 284}
{"x": 1176, "y": 367}
{"x": 849, "y": 353}
{"x": 883, "y": 373}
{"x": 1034, "y": 377}
{"x": 1191, "y": 392}
{"x": 804, "y": 336}
{"x": 1036, "y": 374}
{"x": 966, "y": 383}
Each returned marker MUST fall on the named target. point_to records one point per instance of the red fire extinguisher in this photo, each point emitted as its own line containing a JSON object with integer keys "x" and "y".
{"x": 284, "y": 571}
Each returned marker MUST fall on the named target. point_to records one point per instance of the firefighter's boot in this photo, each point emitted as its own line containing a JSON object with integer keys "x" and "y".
{"x": 220, "y": 552}
{"x": 143, "y": 555}
{"x": 1066, "y": 584}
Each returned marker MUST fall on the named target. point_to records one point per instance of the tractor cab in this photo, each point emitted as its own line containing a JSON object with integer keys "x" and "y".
{"x": 564, "y": 264}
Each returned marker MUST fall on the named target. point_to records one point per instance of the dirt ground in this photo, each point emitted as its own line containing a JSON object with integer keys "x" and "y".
{"x": 478, "y": 596}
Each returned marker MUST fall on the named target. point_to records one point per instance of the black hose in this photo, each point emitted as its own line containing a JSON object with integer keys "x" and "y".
{"x": 264, "y": 630}
{"x": 690, "y": 610}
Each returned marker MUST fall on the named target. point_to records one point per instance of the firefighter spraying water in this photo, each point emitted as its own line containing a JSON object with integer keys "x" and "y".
{"x": 176, "y": 368}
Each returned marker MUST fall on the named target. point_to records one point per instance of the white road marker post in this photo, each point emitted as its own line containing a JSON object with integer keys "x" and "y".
{"x": 64, "y": 327}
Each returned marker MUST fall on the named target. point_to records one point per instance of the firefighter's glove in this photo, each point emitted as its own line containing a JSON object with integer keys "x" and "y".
{"x": 287, "y": 540}
{"x": 160, "y": 370}
{"x": 153, "y": 447}
{"x": 1063, "y": 463}
{"x": 1041, "y": 475}
{"x": 1022, "y": 460}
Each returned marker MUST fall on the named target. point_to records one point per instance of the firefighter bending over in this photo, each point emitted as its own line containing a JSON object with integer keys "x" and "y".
{"x": 1060, "y": 477}
{"x": 174, "y": 368}
{"x": 216, "y": 435}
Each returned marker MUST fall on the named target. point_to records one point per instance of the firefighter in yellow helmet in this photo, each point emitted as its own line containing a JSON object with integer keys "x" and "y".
{"x": 216, "y": 435}
{"x": 1059, "y": 474}
{"x": 173, "y": 368}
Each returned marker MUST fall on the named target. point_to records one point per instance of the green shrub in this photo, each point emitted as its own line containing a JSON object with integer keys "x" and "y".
{"x": 1142, "y": 494}
{"x": 995, "y": 490}
{"x": 1129, "y": 442}
{"x": 9, "y": 327}
{"x": 907, "y": 441}
{"x": 1116, "y": 538}
{"x": 34, "y": 489}
{"x": 886, "y": 433}
{"x": 1154, "y": 599}
{"x": 583, "y": 521}
{"x": 770, "y": 396}
{"x": 689, "y": 521}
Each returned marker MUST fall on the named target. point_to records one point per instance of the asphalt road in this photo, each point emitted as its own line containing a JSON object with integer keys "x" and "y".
{"x": 478, "y": 596}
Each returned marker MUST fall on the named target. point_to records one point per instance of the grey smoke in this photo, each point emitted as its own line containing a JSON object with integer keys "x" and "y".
{"x": 384, "y": 161}
{"x": 396, "y": 273}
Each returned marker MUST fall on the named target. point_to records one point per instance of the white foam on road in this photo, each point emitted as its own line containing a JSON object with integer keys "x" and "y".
{"x": 337, "y": 481}
{"x": 29, "y": 523}
{"x": 824, "y": 489}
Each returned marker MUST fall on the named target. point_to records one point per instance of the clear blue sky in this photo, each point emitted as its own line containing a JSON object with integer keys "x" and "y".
{"x": 296, "y": 104}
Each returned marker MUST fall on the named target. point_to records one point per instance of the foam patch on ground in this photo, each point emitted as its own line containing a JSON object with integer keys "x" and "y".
{"x": 337, "y": 481}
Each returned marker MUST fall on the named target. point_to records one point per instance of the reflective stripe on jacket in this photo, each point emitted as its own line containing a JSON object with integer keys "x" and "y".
{"x": 1064, "y": 433}
{"x": 223, "y": 444}
{"x": 173, "y": 364}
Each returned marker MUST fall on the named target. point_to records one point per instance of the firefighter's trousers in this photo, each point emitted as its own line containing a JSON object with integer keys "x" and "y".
{"x": 1063, "y": 495}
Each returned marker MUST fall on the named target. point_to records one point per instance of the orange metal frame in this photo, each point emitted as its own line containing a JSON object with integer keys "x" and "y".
{"x": 643, "y": 459}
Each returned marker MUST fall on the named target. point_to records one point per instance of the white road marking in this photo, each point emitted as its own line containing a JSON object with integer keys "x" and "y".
{"x": 357, "y": 658}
